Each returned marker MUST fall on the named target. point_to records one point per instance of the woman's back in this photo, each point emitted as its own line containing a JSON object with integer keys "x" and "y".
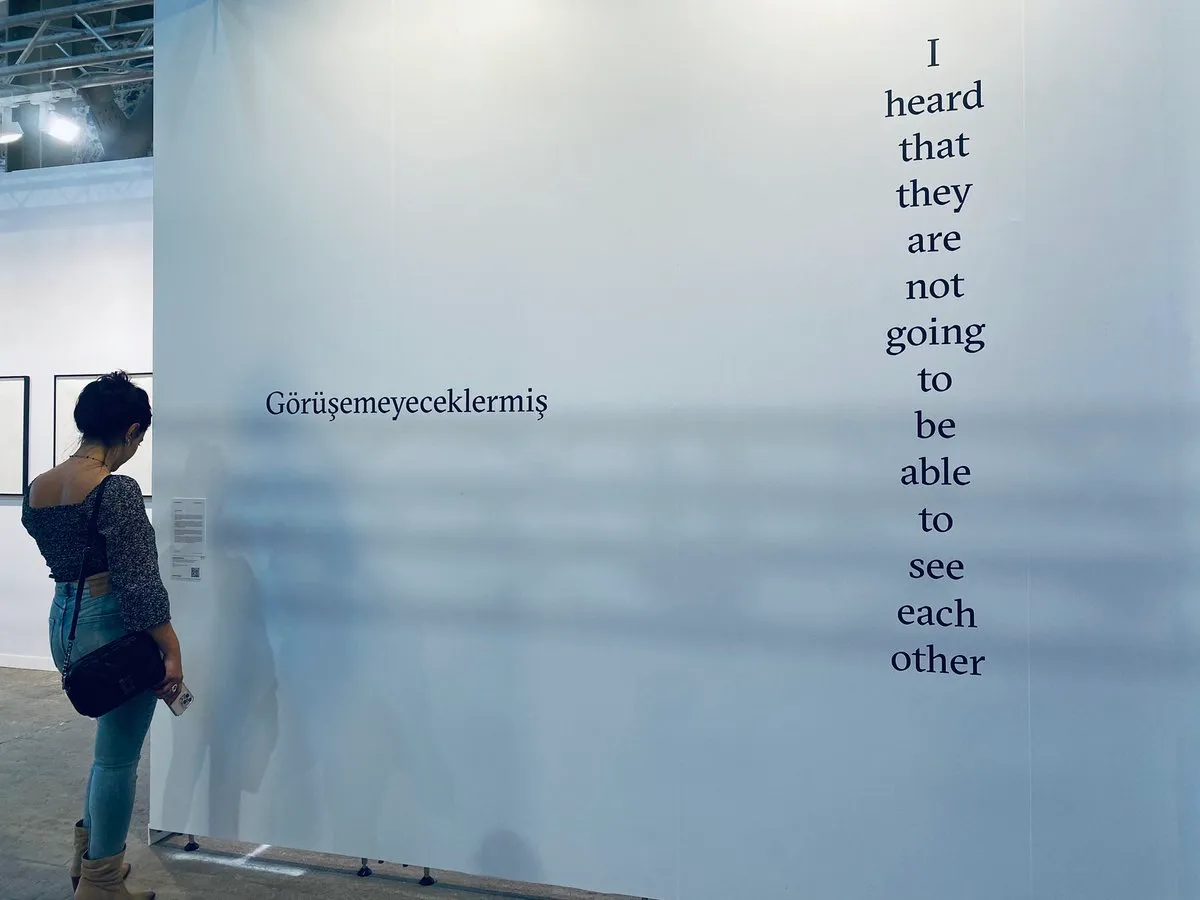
{"x": 57, "y": 510}
{"x": 112, "y": 415}
{"x": 68, "y": 484}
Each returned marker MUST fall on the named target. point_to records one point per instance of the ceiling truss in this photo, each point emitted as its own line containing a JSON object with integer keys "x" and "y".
{"x": 49, "y": 65}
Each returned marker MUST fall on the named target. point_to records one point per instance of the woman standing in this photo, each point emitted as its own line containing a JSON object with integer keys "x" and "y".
{"x": 123, "y": 593}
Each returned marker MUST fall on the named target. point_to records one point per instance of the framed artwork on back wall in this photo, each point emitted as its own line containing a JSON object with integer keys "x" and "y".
{"x": 14, "y": 435}
{"x": 66, "y": 435}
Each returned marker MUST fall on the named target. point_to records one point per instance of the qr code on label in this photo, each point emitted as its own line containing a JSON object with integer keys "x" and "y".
{"x": 195, "y": 571}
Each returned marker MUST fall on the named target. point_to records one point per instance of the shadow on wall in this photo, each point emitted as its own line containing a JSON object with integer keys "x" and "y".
{"x": 235, "y": 724}
{"x": 740, "y": 537}
{"x": 351, "y": 695}
{"x": 505, "y": 854}
{"x": 312, "y": 705}
{"x": 700, "y": 517}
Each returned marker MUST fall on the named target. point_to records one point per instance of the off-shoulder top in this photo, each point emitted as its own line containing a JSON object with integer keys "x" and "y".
{"x": 125, "y": 548}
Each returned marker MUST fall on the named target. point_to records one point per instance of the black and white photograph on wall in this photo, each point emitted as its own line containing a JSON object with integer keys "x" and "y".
{"x": 66, "y": 435}
{"x": 14, "y": 435}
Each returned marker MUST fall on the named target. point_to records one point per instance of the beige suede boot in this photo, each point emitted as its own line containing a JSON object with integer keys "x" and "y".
{"x": 81, "y": 845}
{"x": 100, "y": 879}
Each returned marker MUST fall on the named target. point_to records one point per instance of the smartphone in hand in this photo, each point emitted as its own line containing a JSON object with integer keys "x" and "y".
{"x": 180, "y": 704}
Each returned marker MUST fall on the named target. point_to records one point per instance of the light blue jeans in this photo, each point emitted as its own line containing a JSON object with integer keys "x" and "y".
{"x": 108, "y": 802}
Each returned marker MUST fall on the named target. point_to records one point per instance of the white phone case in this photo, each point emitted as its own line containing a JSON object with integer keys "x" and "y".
{"x": 180, "y": 704}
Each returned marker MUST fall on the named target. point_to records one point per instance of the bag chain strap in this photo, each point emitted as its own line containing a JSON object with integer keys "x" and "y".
{"x": 87, "y": 544}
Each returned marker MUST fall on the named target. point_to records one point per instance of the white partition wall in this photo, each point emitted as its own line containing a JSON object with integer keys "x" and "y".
{"x": 614, "y": 415}
{"x": 76, "y": 274}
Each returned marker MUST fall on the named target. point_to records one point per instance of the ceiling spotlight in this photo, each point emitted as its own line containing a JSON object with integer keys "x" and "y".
{"x": 10, "y": 131}
{"x": 61, "y": 128}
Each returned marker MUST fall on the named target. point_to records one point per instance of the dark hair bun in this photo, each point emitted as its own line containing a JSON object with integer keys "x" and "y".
{"x": 109, "y": 406}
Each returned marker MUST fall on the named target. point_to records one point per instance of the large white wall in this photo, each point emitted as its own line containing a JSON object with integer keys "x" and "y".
{"x": 76, "y": 277}
{"x": 642, "y": 645}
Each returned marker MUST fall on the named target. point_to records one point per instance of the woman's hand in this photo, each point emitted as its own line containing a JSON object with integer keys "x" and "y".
{"x": 170, "y": 686}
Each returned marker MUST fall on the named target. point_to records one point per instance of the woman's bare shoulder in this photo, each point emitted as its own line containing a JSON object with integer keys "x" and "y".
{"x": 64, "y": 485}
{"x": 47, "y": 488}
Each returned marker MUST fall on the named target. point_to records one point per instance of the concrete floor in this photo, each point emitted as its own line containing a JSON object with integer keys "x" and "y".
{"x": 45, "y": 751}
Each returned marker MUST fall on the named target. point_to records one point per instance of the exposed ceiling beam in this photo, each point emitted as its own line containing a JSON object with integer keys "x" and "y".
{"x": 61, "y": 63}
{"x": 65, "y": 12}
{"x": 94, "y": 81}
{"x": 14, "y": 95}
{"x": 50, "y": 38}
{"x": 26, "y": 53}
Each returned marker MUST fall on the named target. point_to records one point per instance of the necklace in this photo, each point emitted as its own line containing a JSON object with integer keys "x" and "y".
{"x": 92, "y": 458}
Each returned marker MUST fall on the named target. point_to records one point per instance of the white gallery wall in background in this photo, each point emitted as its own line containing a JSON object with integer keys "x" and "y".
{"x": 76, "y": 257}
{"x": 67, "y": 437}
{"x": 14, "y": 435}
{"x": 709, "y": 450}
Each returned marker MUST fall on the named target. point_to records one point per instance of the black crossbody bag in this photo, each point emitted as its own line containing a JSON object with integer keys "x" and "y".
{"x": 117, "y": 672}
